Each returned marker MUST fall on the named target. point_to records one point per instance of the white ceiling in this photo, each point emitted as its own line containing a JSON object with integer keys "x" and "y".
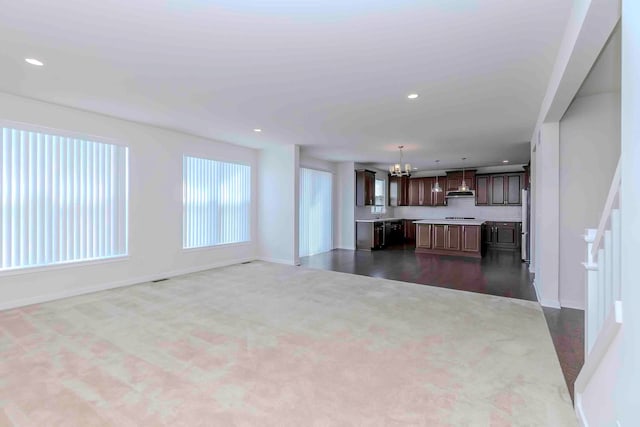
{"x": 329, "y": 75}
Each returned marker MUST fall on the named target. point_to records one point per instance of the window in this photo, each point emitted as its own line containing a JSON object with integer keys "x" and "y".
{"x": 316, "y": 231}
{"x": 64, "y": 199}
{"x": 379, "y": 197}
{"x": 216, "y": 202}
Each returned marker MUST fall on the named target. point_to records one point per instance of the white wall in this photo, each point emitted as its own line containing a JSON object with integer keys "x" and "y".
{"x": 461, "y": 207}
{"x": 589, "y": 153}
{"x": 346, "y": 205}
{"x": 331, "y": 167}
{"x": 627, "y": 369}
{"x": 278, "y": 196}
{"x": 155, "y": 206}
{"x": 547, "y": 215}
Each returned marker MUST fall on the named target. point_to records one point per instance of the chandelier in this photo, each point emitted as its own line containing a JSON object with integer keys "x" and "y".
{"x": 396, "y": 170}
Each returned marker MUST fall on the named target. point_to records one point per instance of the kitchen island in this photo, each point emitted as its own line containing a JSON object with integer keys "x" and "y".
{"x": 455, "y": 237}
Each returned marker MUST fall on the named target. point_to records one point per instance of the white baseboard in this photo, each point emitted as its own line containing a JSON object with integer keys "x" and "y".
{"x": 276, "y": 260}
{"x": 602, "y": 346}
{"x": 577, "y": 305}
{"x": 112, "y": 285}
{"x": 582, "y": 419}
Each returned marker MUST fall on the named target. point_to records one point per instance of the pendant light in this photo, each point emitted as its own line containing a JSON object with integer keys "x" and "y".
{"x": 463, "y": 184}
{"x": 436, "y": 187}
{"x": 396, "y": 170}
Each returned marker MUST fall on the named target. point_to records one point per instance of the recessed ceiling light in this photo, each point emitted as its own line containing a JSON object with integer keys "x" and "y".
{"x": 413, "y": 96}
{"x": 34, "y": 61}
{"x": 257, "y": 130}
{"x": 505, "y": 161}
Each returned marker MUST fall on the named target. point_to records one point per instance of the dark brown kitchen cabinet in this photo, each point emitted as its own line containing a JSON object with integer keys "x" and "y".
{"x": 421, "y": 194}
{"x": 415, "y": 191}
{"x": 398, "y": 190}
{"x": 453, "y": 233}
{"x": 365, "y": 187}
{"x": 437, "y": 199}
{"x": 423, "y": 239}
{"x": 499, "y": 189}
{"x": 513, "y": 189}
{"x": 471, "y": 238}
{"x": 482, "y": 189}
{"x": 409, "y": 229}
{"x": 454, "y": 179}
{"x": 502, "y": 235}
{"x": 449, "y": 239}
{"x": 439, "y": 236}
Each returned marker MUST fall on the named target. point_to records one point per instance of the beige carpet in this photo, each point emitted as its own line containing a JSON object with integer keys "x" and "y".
{"x": 269, "y": 345}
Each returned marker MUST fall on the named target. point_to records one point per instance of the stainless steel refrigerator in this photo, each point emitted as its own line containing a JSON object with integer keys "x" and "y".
{"x": 526, "y": 227}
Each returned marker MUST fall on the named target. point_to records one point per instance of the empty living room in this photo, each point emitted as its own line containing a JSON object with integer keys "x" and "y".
{"x": 319, "y": 213}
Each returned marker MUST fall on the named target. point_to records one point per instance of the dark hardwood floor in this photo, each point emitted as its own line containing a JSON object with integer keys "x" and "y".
{"x": 499, "y": 272}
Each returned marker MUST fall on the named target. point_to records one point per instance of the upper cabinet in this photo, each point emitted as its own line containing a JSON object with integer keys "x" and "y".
{"x": 421, "y": 194}
{"x": 365, "y": 187}
{"x": 398, "y": 190}
{"x": 454, "y": 180}
{"x": 499, "y": 189}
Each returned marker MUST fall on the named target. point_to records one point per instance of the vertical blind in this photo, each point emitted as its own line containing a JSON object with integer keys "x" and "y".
{"x": 316, "y": 229}
{"x": 63, "y": 199}
{"x": 216, "y": 202}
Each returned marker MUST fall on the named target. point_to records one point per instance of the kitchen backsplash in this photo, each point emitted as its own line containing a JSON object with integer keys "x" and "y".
{"x": 364, "y": 212}
{"x": 456, "y": 207}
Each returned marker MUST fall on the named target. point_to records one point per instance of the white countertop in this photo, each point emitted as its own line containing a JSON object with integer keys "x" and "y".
{"x": 451, "y": 221}
{"x": 477, "y": 221}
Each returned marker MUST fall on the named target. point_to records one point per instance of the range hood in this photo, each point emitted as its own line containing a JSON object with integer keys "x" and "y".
{"x": 456, "y": 194}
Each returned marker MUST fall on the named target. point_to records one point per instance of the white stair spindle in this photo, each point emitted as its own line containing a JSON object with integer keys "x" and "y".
{"x": 591, "y": 297}
{"x": 608, "y": 271}
{"x": 616, "y": 253}
{"x": 601, "y": 276}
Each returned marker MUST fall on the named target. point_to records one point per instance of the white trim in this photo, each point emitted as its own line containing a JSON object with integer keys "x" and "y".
{"x": 276, "y": 260}
{"x": 608, "y": 333}
{"x": 112, "y": 285}
{"x": 218, "y": 246}
{"x": 609, "y": 206}
{"x": 62, "y": 265}
{"x": 550, "y": 303}
{"x": 575, "y": 304}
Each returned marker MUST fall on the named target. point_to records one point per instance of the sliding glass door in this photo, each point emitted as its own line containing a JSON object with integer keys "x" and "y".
{"x": 316, "y": 228}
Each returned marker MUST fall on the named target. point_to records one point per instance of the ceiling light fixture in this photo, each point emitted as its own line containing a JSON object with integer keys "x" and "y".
{"x": 463, "y": 184}
{"x": 413, "y": 96}
{"x": 258, "y": 130}
{"x": 505, "y": 161}
{"x": 396, "y": 170}
{"x": 436, "y": 187}
{"x": 34, "y": 61}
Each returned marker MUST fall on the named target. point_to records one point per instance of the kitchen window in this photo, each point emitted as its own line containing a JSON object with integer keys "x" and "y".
{"x": 379, "y": 198}
{"x": 64, "y": 199}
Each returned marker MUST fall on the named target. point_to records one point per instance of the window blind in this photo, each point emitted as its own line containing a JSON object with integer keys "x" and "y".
{"x": 63, "y": 199}
{"x": 316, "y": 228}
{"x": 216, "y": 202}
